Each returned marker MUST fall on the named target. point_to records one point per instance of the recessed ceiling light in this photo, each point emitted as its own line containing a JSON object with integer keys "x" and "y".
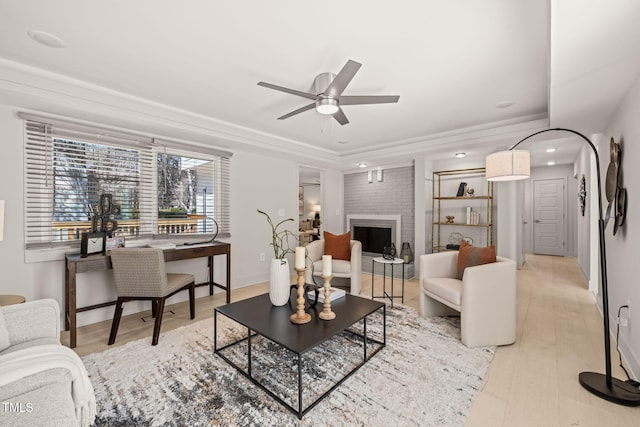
{"x": 551, "y": 163}
{"x": 460, "y": 155}
{"x": 343, "y": 141}
{"x": 550, "y": 150}
{"x": 504, "y": 104}
{"x": 46, "y": 39}
{"x": 362, "y": 164}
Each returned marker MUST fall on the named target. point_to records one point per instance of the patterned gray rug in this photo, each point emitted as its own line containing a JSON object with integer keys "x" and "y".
{"x": 424, "y": 376}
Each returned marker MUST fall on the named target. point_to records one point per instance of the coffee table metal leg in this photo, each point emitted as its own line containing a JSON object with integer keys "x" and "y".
{"x": 215, "y": 331}
{"x": 299, "y": 386}
{"x": 249, "y": 351}
{"x": 365, "y": 338}
{"x": 373, "y": 271}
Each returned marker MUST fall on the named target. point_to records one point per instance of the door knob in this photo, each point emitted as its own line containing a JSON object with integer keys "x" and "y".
{"x": 537, "y": 220}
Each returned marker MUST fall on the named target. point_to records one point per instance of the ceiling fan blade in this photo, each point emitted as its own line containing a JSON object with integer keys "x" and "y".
{"x": 359, "y": 100}
{"x": 287, "y": 90}
{"x": 340, "y": 117}
{"x": 342, "y": 79}
{"x": 298, "y": 111}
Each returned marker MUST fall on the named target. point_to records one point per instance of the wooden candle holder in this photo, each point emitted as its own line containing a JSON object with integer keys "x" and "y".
{"x": 326, "y": 313}
{"x": 300, "y": 317}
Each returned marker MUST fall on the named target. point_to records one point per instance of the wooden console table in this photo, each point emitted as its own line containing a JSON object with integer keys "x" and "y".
{"x": 75, "y": 264}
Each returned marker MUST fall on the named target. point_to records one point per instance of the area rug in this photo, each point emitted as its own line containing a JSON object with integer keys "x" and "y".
{"x": 424, "y": 376}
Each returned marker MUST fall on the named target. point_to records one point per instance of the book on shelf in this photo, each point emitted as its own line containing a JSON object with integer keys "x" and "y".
{"x": 334, "y": 295}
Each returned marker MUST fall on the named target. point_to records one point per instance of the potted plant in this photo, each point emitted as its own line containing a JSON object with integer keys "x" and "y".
{"x": 279, "y": 276}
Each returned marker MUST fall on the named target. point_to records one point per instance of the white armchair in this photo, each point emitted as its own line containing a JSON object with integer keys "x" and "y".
{"x": 485, "y": 297}
{"x": 341, "y": 269}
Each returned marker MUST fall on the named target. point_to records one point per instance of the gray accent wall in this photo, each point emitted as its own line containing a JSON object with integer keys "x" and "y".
{"x": 395, "y": 195}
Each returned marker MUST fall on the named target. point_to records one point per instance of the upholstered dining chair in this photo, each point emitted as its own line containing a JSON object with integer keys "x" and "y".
{"x": 140, "y": 275}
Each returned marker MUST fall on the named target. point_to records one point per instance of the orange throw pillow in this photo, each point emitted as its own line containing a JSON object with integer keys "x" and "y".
{"x": 338, "y": 246}
{"x": 469, "y": 255}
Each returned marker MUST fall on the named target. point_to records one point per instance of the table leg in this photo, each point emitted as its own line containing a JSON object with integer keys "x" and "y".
{"x": 215, "y": 331}
{"x": 210, "y": 261}
{"x": 392, "y": 293}
{"x": 70, "y": 303}
{"x": 229, "y": 275}
{"x": 249, "y": 351}
{"x": 403, "y": 283}
{"x": 299, "y": 386}
{"x": 372, "y": 277}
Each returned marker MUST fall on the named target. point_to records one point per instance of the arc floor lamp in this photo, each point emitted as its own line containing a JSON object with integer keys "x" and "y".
{"x": 512, "y": 164}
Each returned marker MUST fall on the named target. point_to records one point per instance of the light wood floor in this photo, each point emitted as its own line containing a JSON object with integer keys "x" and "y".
{"x": 533, "y": 382}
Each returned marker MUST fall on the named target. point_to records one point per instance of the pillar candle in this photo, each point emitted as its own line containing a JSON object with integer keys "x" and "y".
{"x": 326, "y": 265}
{"x": 300, "y": 257}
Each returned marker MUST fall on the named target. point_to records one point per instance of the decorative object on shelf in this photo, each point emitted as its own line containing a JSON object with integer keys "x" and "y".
{"x": 103, "y": 219}
{"x": 582, "y": 194}
{"x": 470, "y": 192}
{"x": 300, "y": 317}
{"x": 515, "y": 164}
{"x": 450, "y": 219}
{"x": 114, "y": 242}
{"x": 327, "y": 274}
{"x": 454, "y": 241}
{"x": 205, "y": 217}
{"x": 406, "y": 254}
{"x": 461, "y": 189}
{"x": 279, "y": 278}
{"x": 389, "y": 252}
{"x": 92, "y": 243}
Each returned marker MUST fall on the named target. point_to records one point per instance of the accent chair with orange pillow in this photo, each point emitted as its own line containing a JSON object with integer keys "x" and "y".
{"x": 478, "y": 286}
{"x": 346, "y": 260}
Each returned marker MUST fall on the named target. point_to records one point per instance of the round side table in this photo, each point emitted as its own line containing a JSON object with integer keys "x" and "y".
{"x": 11, "y": 299}
{"x": 385, "y": 262}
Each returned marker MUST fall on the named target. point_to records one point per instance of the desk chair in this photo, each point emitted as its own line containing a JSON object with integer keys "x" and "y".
{"x": 140, "y": 275}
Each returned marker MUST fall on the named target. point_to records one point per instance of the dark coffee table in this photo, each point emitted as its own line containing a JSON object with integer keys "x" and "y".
{"x": 261, "y": 318}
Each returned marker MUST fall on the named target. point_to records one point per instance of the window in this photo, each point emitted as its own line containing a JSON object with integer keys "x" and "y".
{"x": 157, "y": 189}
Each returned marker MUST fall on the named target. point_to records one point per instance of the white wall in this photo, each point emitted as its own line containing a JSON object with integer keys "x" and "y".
{"x": 257, "y": 182}
{"x": 622, "y": 249}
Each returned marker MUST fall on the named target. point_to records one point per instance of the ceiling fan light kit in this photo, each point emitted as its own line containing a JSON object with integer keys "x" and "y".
{"x": 327, "y": 106}
{"x": 328, "y": 96}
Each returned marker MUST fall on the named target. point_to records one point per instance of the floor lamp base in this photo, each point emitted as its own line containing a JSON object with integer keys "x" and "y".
{"x": 620, "y": 392}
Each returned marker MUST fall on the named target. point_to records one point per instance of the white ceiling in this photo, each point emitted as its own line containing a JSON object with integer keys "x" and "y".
{"x": 450, "y": 62}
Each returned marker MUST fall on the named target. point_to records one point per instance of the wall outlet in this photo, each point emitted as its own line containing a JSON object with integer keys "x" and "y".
{"x": 280, "y": 212}
{"x": 261, "y": 256}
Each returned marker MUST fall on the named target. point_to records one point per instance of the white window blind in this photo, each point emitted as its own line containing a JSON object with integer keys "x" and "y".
{"x": 69, "y": 166}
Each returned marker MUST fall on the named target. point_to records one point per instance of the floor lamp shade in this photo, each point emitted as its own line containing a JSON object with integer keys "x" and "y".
{"x": 508, "y": 165}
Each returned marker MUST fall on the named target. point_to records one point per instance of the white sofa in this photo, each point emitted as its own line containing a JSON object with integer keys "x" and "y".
{"x": 341, "y": 269}
{"x": 485, "y": 298}
{"x": 42, "y": 383}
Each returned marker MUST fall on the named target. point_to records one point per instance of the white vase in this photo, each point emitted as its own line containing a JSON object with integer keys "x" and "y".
{"x": 279, "y": 282}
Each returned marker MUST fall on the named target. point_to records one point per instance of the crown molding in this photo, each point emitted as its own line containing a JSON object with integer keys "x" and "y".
{"x": 43, "y": 91}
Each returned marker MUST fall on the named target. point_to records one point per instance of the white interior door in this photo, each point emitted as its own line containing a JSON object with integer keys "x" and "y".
{"x": 548, "y": 217}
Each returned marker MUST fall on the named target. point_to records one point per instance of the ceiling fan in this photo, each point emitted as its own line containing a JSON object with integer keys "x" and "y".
{"x": 328, "y": 97}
